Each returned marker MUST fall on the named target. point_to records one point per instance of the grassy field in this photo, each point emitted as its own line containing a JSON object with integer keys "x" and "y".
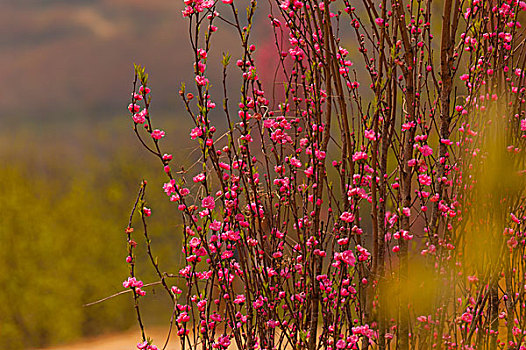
{"x": 66, "y": 191}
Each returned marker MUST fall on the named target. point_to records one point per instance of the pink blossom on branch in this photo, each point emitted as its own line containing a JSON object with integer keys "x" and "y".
{"x": 208, "y": 202}
{"x": 157, "y": 134}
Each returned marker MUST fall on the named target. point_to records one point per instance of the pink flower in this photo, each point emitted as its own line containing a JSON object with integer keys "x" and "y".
{"x": 132, "y": 282}
{"x": 227, "y": 254}
{"x": 369, "y": 134}
{"x": 202, "y": 53}
{"x": 140, "y": 117}
{"x": 208, "y": 202}
{"x": 142, "y": 345}
{"x": 320, "y": 154}
{"x": 359, "y": 156}
{"x": 424, "y": 180}
{"x": 426, "y": 150}
{"x": 147, "y": 211}
{"x": 422, "y": 318}
{"x": 467, "y": 317}
{"x": 200, "y": 80}
{"x": 143, "y": 89}
{"x": 169, "y": 187}
{"x": 183, "y": 317}
{"x": 464, "y": 77}
{"x": 196, "y": 132}
{"x": 199, "y": 178}
{"x": 408, "y": 125}
{"x": 347, "y": 217}
{"x": 240, "y": 299}
{"x": 157, "y": 134}
{"x": 346, "y": 257}
{"x": 134, "y": 108}
{"x": 224, "y": 341}
{"x": 224, "y": 166}
{"x": 512, "y": 242}
{"x": 379, "y": 21}
{"x": 258, "y": 303}
{"x": 215, "y": 226}
{"x": 129, "y": 282}
{"x": 194, "y": 242}
{"x": 473, "y": 279}
{"x": 201, "y": 67}
{"x": 295, "y": 162}
{"x": 201, "y": 305}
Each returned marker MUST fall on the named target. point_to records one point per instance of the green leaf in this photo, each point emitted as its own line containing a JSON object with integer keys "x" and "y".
{"x": 226, "y": 59}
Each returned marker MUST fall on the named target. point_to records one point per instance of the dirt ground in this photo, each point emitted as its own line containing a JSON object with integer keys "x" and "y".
{"x": 120, "y": 341}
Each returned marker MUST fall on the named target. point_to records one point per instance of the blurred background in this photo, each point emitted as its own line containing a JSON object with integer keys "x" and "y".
{"x": 70, "y": 165}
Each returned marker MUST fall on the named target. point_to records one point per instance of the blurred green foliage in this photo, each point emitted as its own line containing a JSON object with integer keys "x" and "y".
{"x": 66, "y": 193}
{"x": 55, "y": 257}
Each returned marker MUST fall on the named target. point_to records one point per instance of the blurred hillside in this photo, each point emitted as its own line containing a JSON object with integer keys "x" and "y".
{"x": 67, "y": 191}
{"x": 72, "y": 59}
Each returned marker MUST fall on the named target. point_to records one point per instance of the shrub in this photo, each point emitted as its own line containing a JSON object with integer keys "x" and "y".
{"x": 370, "y": 195}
